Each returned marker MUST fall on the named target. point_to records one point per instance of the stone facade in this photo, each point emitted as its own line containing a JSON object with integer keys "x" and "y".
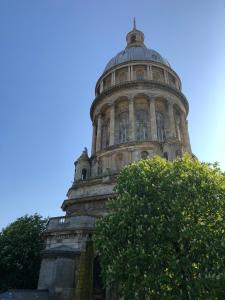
{"x": 139, "y": 111}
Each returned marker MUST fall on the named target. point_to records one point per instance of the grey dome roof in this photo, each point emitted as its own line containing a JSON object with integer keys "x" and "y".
{"x": 136, "y": 53}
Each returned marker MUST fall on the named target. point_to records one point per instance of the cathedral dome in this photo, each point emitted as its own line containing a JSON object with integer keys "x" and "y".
{"x": 135, "y": 51}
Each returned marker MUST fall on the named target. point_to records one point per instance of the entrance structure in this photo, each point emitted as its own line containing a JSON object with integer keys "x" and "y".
{"x": 138, "y": 111}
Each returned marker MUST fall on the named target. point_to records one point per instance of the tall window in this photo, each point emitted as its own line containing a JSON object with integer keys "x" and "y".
{"x": 84, "y": 174}
{"x": 160, "y": 126}
{"x": 123, "y": 127}
{"x": 172, "y": 80}
{"x": 105, "y": 134}
{"x": 99, "y": 167}
{"x": 107, "y": 83}
{"x": 122, "y": 76}
{"x": 141, "y": 125}
{"x": 140, "y": 75}
{"x": 158, "y": 74}
{"x": 178, "y": 154}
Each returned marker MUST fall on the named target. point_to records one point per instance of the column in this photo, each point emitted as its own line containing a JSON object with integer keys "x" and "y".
{"x": 148, "y": 73}
{"x": 112, "y": 125}
{"x": 152, "y": 116}
{"x": 186, "y": 139}
{"x": 172, "y": 129}
{"x": 113, "y": 78}
{"x": 99, "y": 134}
{"x": 93, "y": 139}
{"x": 166, "y": 77}
{"x": 131, "y": 73}
{"x": 101, "y": 87}
{"x": 131, "y": 120}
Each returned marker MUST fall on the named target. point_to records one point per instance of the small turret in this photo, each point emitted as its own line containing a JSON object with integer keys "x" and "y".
{"x": 82, "y": 166}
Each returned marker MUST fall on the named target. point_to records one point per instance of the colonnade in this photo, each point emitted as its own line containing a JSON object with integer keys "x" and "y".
{"x": 171, "y": 127}
{"x": 131, "y": 75}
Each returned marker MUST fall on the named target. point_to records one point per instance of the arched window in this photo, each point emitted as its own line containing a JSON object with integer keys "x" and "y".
{"x": 165, "y": 155}
{"x": 107, "y": 83}
{"x": 123, "y": 127}
{"x": 122, "y": 76}
{"x": 178, "y": 154}
{"x": 160, "y": 126}
{"x": 144, "y": 154}
{"x": 158, "y": 74}
{"x": 99, "y": 167}
{"x": 105, "y": 134}
{"x": 141, "y": 125}
{"x": 84, "y": 174}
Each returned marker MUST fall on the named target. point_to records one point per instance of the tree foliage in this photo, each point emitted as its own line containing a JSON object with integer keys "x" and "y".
{"x": 20, "y": 245}
{"x": 165, "y": 235}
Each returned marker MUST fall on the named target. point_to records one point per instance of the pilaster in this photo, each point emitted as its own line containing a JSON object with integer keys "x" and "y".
{"x": 101, "y": 87}
{"x": 93, "y": 139}
{"x": 166, "y": 77}
{"x": 148, "y": 73}
{"x": 113, "y": 78}
{"x": 186, "y": 139}
{"x": 131, "y": 73}
{"x": 112, "y": 125}
{"x": 99, "y": 133}
{"x": 172, "y": 128}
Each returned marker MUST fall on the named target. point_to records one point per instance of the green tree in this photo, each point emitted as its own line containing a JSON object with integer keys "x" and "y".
{"x": 20, "y": 245}
{"x": 165, "y": 235}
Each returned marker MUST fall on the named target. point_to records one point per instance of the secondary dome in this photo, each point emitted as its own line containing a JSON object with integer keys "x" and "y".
{"x": 135, "y": 50}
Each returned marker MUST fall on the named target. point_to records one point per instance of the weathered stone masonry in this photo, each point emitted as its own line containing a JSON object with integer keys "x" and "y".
{"x": 138, "y": 111}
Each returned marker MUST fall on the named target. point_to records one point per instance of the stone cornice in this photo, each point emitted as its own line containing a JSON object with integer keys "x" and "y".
{"x": 56, "y": 254}
{"x": 126, "y": 145}
{"x": 69, "y": 202}
{"x": 135, "y": 84}
{"x": 92, "y": 181}
{"x": 69, "y": 230}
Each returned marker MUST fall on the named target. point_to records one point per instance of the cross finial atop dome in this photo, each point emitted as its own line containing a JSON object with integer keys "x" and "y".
{"x": 134, "y": 27}
{"x": 135, "y": 38}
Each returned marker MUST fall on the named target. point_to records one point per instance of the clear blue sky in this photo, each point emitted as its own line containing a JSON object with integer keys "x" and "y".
{"x": 51, "y": 55}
